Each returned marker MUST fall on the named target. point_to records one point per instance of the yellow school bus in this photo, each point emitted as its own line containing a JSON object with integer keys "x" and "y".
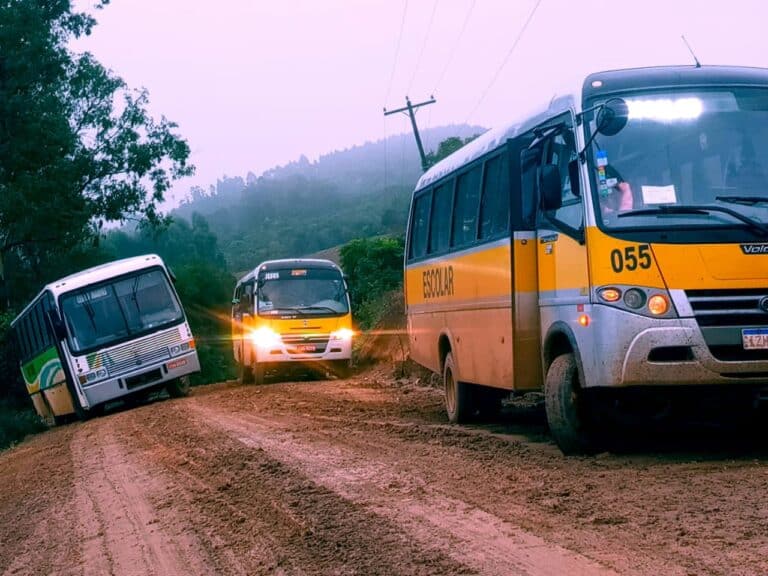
{"x": 290, "y": 312}
{"x": 612, "y": 246}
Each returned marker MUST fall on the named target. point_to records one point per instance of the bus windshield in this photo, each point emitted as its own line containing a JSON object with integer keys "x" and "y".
{"x": 305, "y": 291}
{"x": 102, "y": 314}
{"x": 686, "y": 158}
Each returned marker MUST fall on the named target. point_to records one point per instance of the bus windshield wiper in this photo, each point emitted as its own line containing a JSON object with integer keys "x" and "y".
{"x": 320, "y": 308}
{"x": 134, "y": 290}
{"x": 89, "y": 309}
{"x": 664, "y": 209}
{"x": 288, "y": 308}
{"x": 748, "y": 200}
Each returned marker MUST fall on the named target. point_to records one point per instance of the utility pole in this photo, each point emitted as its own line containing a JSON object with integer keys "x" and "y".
{"x": 410, "y": 109}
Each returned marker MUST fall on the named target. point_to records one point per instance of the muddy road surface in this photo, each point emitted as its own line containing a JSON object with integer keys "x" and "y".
{"x": 364, "y": 476}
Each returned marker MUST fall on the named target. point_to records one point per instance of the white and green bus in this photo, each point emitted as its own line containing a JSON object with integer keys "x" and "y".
{"x": 109, "y": 332}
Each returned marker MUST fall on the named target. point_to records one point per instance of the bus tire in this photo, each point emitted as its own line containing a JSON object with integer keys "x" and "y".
{"x": 565, "y": 407}
{"x": 458, "y": 395}
{"x": 244, "y": 374}
{"x": 179, "y": 388}
{"x": 341, "y": 368}
{"x": 258, "y": 373}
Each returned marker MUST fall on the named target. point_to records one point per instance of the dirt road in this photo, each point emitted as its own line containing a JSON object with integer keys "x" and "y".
{"x": 365, "y": 477}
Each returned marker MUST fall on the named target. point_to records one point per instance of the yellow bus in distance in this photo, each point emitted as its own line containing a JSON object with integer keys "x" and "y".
{"x": 611, "y": 249}
{"x": 289, "y": 312}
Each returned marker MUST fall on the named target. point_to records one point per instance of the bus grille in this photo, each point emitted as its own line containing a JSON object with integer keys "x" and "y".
{"x": 734, "y": 309}
{"x": 133, "y": 354}
{"x": 728, "y": 307}
{"x": 298, "y": 344}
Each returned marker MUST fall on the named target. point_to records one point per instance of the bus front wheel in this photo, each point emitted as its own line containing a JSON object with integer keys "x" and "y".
{"x": 244, "y": 374}
{"x": 566, "y": 408}
{"x": 341, "y": 368}
{"x": 259, "y": 371}
{"x": 179, "y": 388}
{"x": 458, "y": 395}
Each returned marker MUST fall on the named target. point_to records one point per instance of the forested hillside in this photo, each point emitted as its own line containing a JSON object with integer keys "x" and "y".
{"x": 304, "y": 206}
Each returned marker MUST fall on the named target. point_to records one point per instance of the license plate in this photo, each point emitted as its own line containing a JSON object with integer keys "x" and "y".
{"x": 755, "y": 338}
{"x": 305, "y": 347}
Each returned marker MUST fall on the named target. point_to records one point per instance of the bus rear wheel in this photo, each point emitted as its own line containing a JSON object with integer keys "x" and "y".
{"x": 566, "y": 408}
{"x": 458, "y": 395}
{"x": 179, "y": 388}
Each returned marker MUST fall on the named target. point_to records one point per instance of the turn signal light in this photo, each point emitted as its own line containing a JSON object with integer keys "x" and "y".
{"x": 584, "y": 320}
{"x": 658, "y": 304}
{"x": 610, "y": 294}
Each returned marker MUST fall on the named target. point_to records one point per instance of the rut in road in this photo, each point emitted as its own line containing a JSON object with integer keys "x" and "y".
{"x": 481, "y": 540}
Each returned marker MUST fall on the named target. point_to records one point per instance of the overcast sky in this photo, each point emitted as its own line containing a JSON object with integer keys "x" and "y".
{"x": 256, "y": 83}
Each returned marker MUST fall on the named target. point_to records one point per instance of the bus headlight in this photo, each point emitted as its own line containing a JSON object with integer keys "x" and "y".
{"x": 634, "y": 298}
{"x": 653, "y": 302}
{"x": 658, "y": 304}
{"x": 344, "y": 334}
{"x": 94, "y": 376}
{"x": 265, "y": 337}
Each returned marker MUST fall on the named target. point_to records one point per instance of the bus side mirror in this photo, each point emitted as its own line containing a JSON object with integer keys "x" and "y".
{"x": 550, "y": 188}
{"x": 612, "y": 117}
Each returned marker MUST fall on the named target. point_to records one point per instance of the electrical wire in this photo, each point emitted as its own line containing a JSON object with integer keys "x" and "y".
{"x": 423, "y": 47}
{"x": 454, "y": 48}
{"x": 397, "y": 53}
{"x": 504, "y": 63}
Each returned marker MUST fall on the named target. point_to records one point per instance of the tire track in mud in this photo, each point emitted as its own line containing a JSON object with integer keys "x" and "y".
{"x": 268, "y": 514}
{"x": 120, "y": 531}
{"x": 480, "y": 540}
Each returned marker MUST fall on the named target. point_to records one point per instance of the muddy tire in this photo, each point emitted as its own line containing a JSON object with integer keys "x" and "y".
{"x": 566, "y": 408}
{"x": 244, "y": 374}
{"x": 458, "y": 395}
{"x": 179, "y": 388}
{"x": 258, "y": 373}
{"x": 341, "y": 368}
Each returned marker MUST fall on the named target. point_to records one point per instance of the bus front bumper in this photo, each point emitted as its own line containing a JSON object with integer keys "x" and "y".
{"x": 149, "y": 376}
{"x": 633, "y": 350}
{"x": 340, "y": 349}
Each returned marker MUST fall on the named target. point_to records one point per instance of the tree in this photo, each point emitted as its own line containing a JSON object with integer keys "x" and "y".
{"x": 374, "y": 267}
{"x": 448, "y": 147}
{"x": 77, "y": 146}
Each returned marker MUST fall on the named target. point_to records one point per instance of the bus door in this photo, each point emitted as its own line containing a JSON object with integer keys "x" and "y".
{"x": 526, "y": 345}
{"x": 242, "y": 308}
{"x": 561, "y": 250}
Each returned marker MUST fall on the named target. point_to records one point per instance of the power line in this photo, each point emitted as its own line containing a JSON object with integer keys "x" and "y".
{"x": 397, "y": 52}
{"x": 455, "y": 46}
{"x": 504, "y": 63}
{"x": 423, "y": 47}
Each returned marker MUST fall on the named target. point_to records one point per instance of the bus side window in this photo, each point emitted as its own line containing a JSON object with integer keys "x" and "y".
{"x": 494, "y": 204}
{"x": 440, "y": 228}
{"x": 246, "y": 301}
{"x": 465, "y": 208}
{"x": 529, "y": 166}
{"x": 418, "y": 240}
{"x": 561, "y": 152}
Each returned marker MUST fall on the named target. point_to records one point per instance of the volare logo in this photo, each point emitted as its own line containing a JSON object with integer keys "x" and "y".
{"x": 750, "y": 249}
